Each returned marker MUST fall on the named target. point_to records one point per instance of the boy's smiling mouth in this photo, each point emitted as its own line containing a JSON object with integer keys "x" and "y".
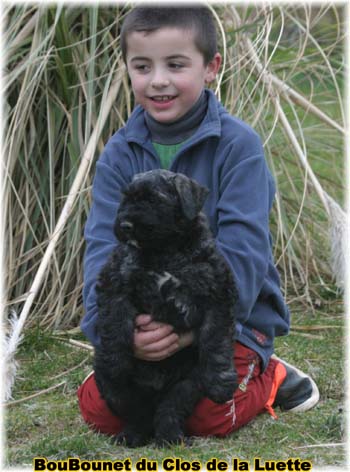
{"x": 163, "y": 98}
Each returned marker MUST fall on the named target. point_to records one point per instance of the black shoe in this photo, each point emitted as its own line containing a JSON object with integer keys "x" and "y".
{"x": 298, "y": 392}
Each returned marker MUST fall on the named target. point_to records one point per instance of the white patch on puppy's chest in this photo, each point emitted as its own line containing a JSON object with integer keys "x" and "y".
{"x": 173, "y": 296}
{"x": 165, "y": 277}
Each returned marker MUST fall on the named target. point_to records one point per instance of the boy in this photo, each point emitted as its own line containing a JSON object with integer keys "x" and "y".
{"x": 171, "y": 55}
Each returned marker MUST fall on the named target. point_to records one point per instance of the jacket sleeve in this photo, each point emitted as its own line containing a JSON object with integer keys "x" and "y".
{"x": 246, "y": 194}
{"x": 100, "y": 240}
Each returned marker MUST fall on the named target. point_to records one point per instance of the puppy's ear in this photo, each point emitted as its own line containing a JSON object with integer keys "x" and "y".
{"x": 192, "y": 195}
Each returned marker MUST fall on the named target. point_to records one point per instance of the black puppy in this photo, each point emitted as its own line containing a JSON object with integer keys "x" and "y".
{"x": 166, "y": 264}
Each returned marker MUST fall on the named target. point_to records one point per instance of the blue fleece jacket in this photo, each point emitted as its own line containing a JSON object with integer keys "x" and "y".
{"x": 226, "y": 156}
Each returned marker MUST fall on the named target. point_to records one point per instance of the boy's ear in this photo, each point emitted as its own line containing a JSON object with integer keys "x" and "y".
{"x": 213, "y": 68}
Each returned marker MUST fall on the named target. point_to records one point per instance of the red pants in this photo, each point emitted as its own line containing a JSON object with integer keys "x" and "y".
{"x": 255, "y": 394}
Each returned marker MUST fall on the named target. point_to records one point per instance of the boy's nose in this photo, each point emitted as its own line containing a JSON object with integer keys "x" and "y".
{"x": 160, "y": 80}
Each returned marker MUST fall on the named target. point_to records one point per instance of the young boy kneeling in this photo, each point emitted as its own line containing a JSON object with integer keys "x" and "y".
{"x": 178, "y": 124}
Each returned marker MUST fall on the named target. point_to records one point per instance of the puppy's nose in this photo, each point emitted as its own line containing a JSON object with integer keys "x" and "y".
{"x": 126, "y": 225}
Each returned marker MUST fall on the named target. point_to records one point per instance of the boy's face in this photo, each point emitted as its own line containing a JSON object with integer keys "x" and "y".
{"x": 167, "y": 71}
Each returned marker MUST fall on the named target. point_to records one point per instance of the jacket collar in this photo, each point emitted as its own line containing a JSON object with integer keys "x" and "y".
{"x": 136, "y": 130}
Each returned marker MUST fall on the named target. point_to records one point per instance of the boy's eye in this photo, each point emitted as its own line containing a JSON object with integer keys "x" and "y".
{"x": 175, "y": 65}
{"x": 142, "y": 67}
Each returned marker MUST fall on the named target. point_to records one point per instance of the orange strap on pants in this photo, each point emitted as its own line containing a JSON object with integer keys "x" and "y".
{"x": 255, "y": 394}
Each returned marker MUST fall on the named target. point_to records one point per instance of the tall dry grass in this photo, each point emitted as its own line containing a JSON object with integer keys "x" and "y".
{"x": 62, "y": 62}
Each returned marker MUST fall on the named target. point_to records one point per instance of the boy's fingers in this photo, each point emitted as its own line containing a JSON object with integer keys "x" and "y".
{"x": 158, "y": 351}
{"x": 159, "y": 330}
{"x": 186, "y": 339}
{"x": 142, "y": 320}
{"x": 149, "y": 348}
{"x": 162, "y": 344}
{"x": 155, "y": 325}
{"x": 145, "y": 323}
{"x": 149, "y": 340}
{"x": 163, "y": 354}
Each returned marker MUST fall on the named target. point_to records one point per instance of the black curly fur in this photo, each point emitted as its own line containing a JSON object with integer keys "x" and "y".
{"x": 167, "y": 265}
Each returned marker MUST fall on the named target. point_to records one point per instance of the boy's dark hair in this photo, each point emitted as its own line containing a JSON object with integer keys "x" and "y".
{"x": 151, "y": 18}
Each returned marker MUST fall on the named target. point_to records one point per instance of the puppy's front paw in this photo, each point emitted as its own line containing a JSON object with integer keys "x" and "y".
{"x": 130, "y": 438}
{"x": 170, "y": 438}
{"x": 219, "y": 387}
{"x": 168, "y": 429}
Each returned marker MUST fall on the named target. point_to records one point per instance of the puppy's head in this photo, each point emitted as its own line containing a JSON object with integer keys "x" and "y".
{"x": 158, "y": 206}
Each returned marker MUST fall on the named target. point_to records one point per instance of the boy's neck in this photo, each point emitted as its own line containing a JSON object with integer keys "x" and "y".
{"x": 182, "y": 129}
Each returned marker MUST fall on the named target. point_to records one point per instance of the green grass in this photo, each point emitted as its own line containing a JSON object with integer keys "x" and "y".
{"x": 51, "y": 426}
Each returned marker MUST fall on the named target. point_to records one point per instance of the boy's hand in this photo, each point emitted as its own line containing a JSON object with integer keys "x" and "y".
{"x": 155, "y": 341}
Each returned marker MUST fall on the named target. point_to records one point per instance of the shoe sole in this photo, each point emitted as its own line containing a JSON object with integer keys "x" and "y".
{"x": 315, "y": 395}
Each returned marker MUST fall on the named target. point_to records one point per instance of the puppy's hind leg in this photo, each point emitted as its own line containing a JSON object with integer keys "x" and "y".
{"x": 172, "y": 411}
{"x": 137, "y": 411}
